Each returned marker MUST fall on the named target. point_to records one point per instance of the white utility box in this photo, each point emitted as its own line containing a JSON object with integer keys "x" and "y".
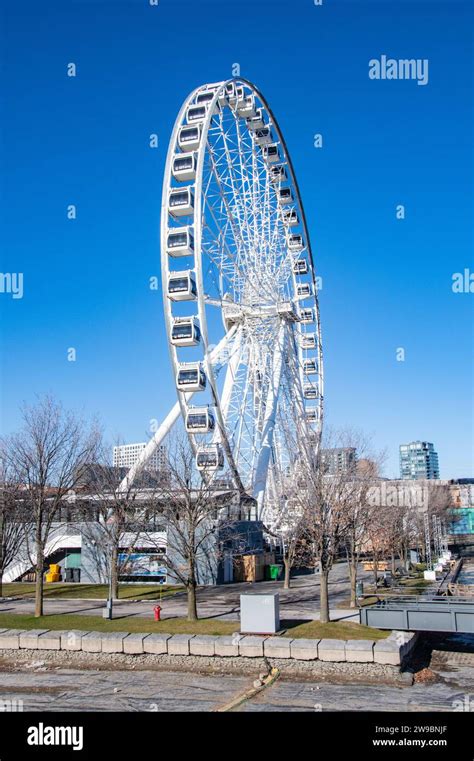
{"x": 260, "y": 614}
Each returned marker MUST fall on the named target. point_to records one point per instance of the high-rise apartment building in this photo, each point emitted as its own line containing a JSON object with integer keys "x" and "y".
{"x": 126, "y": 455}
{"x": 418, "y": 460}
{"x": 338, "y": 460}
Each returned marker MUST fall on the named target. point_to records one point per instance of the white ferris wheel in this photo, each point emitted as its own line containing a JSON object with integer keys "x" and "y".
{"x": 240, "y": 297}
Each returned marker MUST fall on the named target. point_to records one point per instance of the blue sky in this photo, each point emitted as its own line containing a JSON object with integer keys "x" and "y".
{"x": 386, "y": 282}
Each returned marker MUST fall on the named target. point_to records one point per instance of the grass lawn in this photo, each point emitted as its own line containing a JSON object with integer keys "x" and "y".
{"x": 122, "y": 624}
{"x": 310, "y": 629}
{"x": 415, "y": 583}
{"x": 332, "y": 630}
{"x": 92, "y": 591}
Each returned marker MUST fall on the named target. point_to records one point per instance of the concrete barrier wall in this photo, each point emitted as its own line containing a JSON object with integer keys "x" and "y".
{"x": 391, "y": 651}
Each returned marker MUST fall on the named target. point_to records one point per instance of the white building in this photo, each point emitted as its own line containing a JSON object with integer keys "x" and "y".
{"x": 126, "y": 455}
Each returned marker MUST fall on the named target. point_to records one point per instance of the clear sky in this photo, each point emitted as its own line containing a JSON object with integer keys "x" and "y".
{"x": 387, "y": 282}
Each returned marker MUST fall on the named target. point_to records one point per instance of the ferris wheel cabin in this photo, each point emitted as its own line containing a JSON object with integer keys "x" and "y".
{"x": 312, "y": 415}
{"x": 184, "y": 167}
{"x": 295, "y": 244}
{"x": 180, "y": 242}
{"x": 181, "y": 203}
{"x": 246, "y": 107}
{"x": 191, "y": 377}
{"x": 308, "y": 341}
{"x": 262, "y": 136}
{"x": 290, "y": 217}
{"x": 310, "y": 391}
{"x": 271, "y": 153}
{"x": 285, "y": 195}
{"x": 196, "y": 114}
{"x": 306, "y": 316}
{"x": 205, "y": 98}
{"x": 256, "y": 121}
{"x": 303, "y": 290}
{"x": 185, "y": 331}
{"x": 210, "y": 457}
{"x": 278, "y": 173}
{"x": 189, "y": 137}
{"x": 310, "y": 367}
{"x": 199, "y": 420}
{"x": 231, "y": 94}
{"x": 300, "y": 267}
{"x": 182, "y": 286}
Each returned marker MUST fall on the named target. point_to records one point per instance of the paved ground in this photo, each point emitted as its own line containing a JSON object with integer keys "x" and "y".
{"x": 76, "y": 690}
{"x": 301, "y": 601}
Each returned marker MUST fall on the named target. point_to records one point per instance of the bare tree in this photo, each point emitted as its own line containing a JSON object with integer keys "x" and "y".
{"x": 323, "y": 501}
{"x": 111, "y": 514}
{"x": 46, "y": 457}
{"x": 359, "y": 512}
{"x": 199, "y": 520}
{"x": 13, "y": 517}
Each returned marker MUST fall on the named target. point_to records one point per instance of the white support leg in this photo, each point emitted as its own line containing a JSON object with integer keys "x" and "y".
{"x": 167, "y": 424}
{"x": 229, "y": 380}
{"x": 261, "y": 469}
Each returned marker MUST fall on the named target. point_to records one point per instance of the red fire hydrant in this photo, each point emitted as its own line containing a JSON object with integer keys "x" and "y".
{"x": 157, "y": 612}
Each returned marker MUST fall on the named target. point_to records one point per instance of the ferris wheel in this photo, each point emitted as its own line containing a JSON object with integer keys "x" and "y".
{"x": 240, "y": 296}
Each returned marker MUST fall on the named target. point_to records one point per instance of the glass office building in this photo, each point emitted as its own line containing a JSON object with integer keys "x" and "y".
{"x": 418, "y": 460}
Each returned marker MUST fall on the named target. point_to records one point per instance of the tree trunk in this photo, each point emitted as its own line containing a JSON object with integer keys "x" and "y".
{"x": 353, "y": 579}
{"x": 192, "y": 602}
{"x": 393, "y": 563}
{"x": 114, "y": 571}
{"x": 39, "y": 580}
{"x": 376, "y": 571}
{"x": 324, "y": 596}
{"x": 286, "y": 583}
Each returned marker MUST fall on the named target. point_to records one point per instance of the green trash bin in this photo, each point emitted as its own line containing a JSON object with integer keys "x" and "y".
{"x": 275, "y": 571}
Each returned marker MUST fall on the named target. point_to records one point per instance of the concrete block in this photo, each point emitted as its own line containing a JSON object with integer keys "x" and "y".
{"x": 333, "y": 650}
{"x": 405, "y": 641}
{"x": 156, "y": 643}
{"x": 133, "y": 644}
{"x": 251, "y": 647}
{"x": 178, "y": 644}
{"x": 50, "y": 641}
{"x": 92, "y": 642}
{"x": 10, "y": 639}
{"x": 72, "y": 639}
{"x": 112, "y": 642}
{"x": 29, "y": 638}
{"x": 387, "y": 652}
{"x": 277, "y": 647}
{"x": 411, "y": 641}
{"x": 228, "y": 645}
{"x": 203, "y": 644}
{"x": 304, "y": 649}
{"x": 360, "y": 651}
